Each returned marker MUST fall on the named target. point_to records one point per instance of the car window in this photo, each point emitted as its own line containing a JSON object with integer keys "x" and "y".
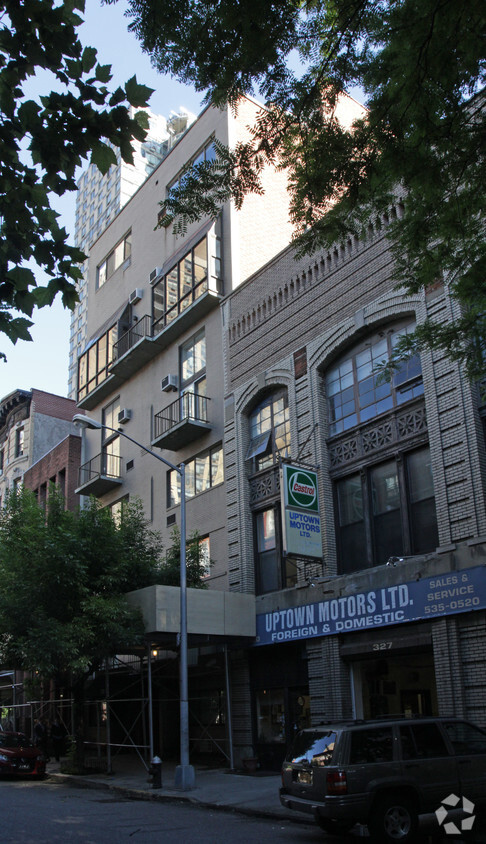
{"x": 422, "y": 741}
{"x": 375, "y": 745}
{"x": 466, "y": 738}
{"x": 314, "y": 747}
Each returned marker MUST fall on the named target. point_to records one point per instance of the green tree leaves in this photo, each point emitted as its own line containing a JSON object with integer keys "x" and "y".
{"x": 63, "y": 581}
{"x": 421, "y": 65}
{"x": 43, "y": 141}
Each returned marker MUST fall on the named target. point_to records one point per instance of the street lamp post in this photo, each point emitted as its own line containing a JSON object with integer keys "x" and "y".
{"x": 184, "y": 775}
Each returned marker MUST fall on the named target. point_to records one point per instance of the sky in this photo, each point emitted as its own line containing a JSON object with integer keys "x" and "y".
{"x": 43, "y": 363}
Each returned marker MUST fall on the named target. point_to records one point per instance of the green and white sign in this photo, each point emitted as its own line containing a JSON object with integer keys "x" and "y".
{"x": 301, "y": 521}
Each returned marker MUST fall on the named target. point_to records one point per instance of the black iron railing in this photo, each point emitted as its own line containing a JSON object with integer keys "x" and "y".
{"x": 141, "y": 328}
{"x": 189, "y": 407}
{"x": 103, "y": 465}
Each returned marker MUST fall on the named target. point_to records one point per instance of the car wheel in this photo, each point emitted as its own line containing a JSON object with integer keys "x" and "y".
{"x": 394, "y": 819}
{"x": 333, "y": 827}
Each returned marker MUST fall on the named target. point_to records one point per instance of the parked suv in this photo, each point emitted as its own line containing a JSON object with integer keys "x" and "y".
{"x": 385, "y": 773}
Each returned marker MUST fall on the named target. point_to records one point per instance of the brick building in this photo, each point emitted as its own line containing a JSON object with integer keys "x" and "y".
{"x": 32, "y": 422}
{"x": 60, "y": 466}
{"x": 390, "y": 616}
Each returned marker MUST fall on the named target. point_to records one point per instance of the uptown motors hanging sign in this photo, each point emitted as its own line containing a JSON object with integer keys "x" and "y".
{"x": 445, "y": 594}
{"x": 301, "y": 522}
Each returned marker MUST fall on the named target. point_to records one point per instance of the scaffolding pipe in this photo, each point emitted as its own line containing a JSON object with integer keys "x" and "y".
{"x": 149, "y": 692}
{"x": 228, "y": 708}
{"x": 108, "y": 720}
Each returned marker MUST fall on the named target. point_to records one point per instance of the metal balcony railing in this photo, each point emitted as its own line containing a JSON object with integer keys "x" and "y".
{"x": 102, "y": 466}
{"x": 140, "y": 329}
{"x": 189, "y": 407}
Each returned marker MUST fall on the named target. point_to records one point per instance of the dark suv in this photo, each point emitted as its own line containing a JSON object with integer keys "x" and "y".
{"x": 385, "y": 773}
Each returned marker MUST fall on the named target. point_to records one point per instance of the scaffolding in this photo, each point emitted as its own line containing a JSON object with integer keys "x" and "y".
{"x": 131, "y": 706}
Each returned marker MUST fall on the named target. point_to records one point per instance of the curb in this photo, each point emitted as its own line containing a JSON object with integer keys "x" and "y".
{"x": 157, "y": 796}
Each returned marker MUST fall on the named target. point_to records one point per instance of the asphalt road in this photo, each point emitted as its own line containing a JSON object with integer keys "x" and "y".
{"x": 49, "y": 813}
{"x": 52, "y": 812}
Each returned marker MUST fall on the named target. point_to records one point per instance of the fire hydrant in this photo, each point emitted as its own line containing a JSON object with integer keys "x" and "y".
{"x": 155, "y": 771}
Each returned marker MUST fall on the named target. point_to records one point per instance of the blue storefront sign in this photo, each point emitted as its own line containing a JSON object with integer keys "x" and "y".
{"x": 444, "y": 594}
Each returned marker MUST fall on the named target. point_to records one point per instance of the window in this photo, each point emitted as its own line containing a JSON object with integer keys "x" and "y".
{"x": 386, "y": 510}
{"x": 422, "y": 741}
{"x": 116, "y": 509}
{"x": 2, "y": 460}
{"x": 356, "y": 393}
{"x": 193, "y": 377}
{"x": 110, "y": 440}
{"x": 465, "y": 738}
{"x": 202, "y": 473}
{"x": 375, "y": 745}
{"x": 93, "y": 365}
{"x": 115, "y": 259}
{"x": 205, "y": 156}
{"x": 269, "y": 431}
{"x": 181, "y": 286}
{"x": 19, "y": 442}
{"x": 204, "y": 555}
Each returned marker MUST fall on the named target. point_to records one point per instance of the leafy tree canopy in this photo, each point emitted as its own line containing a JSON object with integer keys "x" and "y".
{"x": 43, "y": 140}
{"x": 62, "y": 583}
{"x": 421, "y": 66}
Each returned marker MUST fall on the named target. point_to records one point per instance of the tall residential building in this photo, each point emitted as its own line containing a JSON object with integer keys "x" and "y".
{"x": 100, "y": 197}
{"x": 153, "y": 368}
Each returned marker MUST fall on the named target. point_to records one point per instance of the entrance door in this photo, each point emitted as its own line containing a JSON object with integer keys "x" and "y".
{"x": 395, "y": 685}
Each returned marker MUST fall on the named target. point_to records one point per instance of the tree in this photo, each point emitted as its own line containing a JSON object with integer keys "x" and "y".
{"x": 421, "y": 66}
{"x": 42, "y": 141}
{"x": 63, "y": 579}
{"x": 197, "y": 564}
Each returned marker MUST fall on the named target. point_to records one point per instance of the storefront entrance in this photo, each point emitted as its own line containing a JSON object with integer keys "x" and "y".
{"x": 281, "y": 702}
{"x": 392, "y": 672}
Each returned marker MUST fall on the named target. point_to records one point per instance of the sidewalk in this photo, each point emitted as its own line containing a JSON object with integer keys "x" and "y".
{"x": 254, "y": 794}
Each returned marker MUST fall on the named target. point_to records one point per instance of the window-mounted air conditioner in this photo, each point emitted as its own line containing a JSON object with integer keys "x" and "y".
{"x": 124, "y": 416}
{"x": 155, "y": 275}
{"x": 169, "y": 383}
{"x": 135, "y": 296}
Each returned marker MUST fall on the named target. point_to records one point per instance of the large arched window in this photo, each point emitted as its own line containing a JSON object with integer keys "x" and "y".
{"x": 379, "y": 455}
{"x": 355, "y": 390}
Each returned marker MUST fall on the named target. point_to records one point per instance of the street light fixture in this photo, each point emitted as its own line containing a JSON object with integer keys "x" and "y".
{"x": 184, "y": 775}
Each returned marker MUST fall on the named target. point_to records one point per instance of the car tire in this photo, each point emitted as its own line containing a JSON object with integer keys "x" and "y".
{"x": 333, "y": 827}
{"x": 394, "y": 820}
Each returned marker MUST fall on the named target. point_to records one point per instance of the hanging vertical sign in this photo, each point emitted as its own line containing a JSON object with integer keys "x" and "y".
{"x": 301, "y": 522}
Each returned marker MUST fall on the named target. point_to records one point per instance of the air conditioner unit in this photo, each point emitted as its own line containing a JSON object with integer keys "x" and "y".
{"x": 135, "y": 296}
{"x": 124, "y": 416}
{"x": 155, "y": 275}
{"x": 169, "y": 383}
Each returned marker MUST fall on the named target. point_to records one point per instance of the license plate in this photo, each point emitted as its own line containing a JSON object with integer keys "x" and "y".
{"x": 305, "y": 777}
{"x": 24, "y": 766}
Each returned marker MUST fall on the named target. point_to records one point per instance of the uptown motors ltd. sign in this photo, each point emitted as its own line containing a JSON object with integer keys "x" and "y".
{"x": 301, "y": 522}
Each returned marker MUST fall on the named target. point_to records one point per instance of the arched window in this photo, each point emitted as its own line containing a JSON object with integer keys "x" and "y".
{"x": 269, "y": 431}
{"x": 355, "y": 390}
{"x": 381, "y": 467}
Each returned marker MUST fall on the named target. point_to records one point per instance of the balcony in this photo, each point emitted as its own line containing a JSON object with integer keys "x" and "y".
{"x": 133, "y": 349}
{"x": 181, "y": 422}
{"x": 185, "y": 313}
{"x": 99, "y": 475}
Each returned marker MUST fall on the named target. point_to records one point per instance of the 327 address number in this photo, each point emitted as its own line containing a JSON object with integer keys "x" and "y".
{"x": 382, "y": 646}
